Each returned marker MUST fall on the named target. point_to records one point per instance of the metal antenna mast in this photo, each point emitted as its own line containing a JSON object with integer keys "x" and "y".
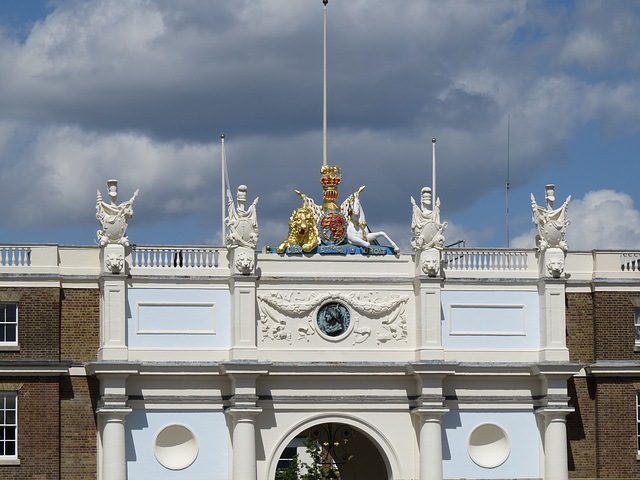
{"x": 508, "y": 185}
{"x": 224, "y": 189}
{"x": 433, "y": 174}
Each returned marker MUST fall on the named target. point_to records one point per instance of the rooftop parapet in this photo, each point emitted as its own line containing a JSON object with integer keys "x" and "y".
{"x": 481, "y": 263}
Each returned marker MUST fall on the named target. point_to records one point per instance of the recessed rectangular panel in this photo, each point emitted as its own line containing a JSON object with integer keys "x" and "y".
{"x": 176, "y": 318}
{"x": 487, "y": 320}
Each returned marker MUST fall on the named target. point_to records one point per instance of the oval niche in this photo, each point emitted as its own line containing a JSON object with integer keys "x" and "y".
{"x": 175, "y": 447}
{"x": 488, "y": 445}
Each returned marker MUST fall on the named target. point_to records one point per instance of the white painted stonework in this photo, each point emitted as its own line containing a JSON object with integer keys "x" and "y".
{"x": 114, "y": 218}
{"x": 414, "y": 364}
{"x": 425, "y": 224}
{"x": 552, "y": 223}
{"x": 444, "y": 364}
{"x": 241, "y": 222}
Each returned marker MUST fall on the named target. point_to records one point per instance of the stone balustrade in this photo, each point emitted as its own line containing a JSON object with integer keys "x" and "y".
{"x": 176, "y": 257}
{"x": 487, "y": 259}
{"x": 210, "y": 260}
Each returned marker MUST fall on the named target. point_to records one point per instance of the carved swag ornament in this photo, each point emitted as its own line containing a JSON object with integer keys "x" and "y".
{"x": 279, "y": 311}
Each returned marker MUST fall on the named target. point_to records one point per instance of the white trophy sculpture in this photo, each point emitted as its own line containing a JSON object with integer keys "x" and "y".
{"x": 242, "y": 224}
{"x": 114, "y": 218}
{"x": 425, "y": 223}
{"x": 552, "y": 224}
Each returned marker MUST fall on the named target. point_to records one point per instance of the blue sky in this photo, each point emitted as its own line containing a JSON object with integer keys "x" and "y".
{"x": 140, "y": 90}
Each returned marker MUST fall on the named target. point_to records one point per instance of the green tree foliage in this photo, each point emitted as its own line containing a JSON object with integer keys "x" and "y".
{"x": 316, "y": 470}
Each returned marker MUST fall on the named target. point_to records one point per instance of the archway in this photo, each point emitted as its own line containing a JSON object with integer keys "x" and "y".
{"x": 350, "y": 449}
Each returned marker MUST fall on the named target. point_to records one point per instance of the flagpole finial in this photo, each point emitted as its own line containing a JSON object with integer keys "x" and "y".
{"x": 433, "y": 140}
{"x": 325, "y": 2}
{"x": 222, "y": 136}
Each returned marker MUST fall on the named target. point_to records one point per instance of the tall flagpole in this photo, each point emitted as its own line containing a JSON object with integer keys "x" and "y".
{"x": 324, "y": 99}
{"x": 433, "y": 174}
{"x": 224, "y": 189}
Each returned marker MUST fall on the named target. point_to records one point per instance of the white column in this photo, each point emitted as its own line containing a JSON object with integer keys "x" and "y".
{"x": 114, "y": 464}
{"x": 244, "y": 443}
{"x": 556, "y": 466}
{"x": 430, "y": 443}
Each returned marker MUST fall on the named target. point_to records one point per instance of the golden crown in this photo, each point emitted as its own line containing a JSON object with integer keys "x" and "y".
{"x": 330, "y": 180}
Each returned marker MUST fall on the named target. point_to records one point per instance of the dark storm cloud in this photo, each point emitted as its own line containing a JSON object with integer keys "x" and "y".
{"x": 141, "y": 90}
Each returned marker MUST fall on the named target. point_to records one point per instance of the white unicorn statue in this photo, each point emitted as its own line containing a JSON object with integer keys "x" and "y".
{"x": 357, "y": 231}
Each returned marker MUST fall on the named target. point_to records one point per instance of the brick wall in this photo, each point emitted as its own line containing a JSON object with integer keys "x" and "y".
{"x": 617, "y": 444}
{"x": 579, "y": 315}
{"x": 80, "y": 324}
{"x": 614, "y": 327}
{"x": 80, "y": 337}
{"x": 78, "y": 396}
{"x": 38, "y": 429}
{"x": 38, "y": 323}
{"x": 602, "y": 431}
{"x": 581, "y": 428}
{"x": 56, "y": 421}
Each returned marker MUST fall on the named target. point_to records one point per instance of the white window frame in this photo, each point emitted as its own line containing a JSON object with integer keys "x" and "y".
{"x": 9, "y": 424}
{"x": 638, "y": 422}
{"x": 4, "y": 324}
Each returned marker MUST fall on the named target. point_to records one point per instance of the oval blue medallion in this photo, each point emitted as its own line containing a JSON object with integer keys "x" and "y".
{"x": 333, "y": 319}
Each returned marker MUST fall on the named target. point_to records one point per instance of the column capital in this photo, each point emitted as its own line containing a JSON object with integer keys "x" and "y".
{"x": 429, "y": 413}
{"x": 555, "y": 413}
{"x": 113, "y": 412}
{"x": 243, "y": 413}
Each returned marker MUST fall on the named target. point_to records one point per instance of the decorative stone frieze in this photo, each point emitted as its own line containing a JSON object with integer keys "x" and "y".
{"x": 279, "y": 310}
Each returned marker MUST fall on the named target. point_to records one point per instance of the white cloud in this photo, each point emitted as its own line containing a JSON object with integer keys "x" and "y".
{"x": 141, "y": 89}
{"x": 586, "y": 48}
{"x": 604, "y": 219}
{"x": 55, "y": 176}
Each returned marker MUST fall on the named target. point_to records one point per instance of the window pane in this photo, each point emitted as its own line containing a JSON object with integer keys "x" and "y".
{"x": 10, "y": 402}
{"x": 10, "y": 335}
{"x": 10, "y": 448}
{"x": 11, "y": 417}
{"x": 10, "y": 313}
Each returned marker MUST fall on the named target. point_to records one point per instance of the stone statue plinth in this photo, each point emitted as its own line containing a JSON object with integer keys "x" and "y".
{"x": 551, "y": 262}
{"x": 242, "y": 260}
{"x": 428, "y": 262}
{"x": 113, "y": 258}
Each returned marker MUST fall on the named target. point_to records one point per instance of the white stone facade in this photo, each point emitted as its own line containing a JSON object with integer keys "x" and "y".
{"x": 207, "y": 371}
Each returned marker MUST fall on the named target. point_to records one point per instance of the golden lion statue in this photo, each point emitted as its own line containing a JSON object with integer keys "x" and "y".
{"x": 302, "y": 230}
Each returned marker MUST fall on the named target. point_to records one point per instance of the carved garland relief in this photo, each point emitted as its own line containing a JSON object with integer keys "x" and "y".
{"x": 333, "y": 316}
